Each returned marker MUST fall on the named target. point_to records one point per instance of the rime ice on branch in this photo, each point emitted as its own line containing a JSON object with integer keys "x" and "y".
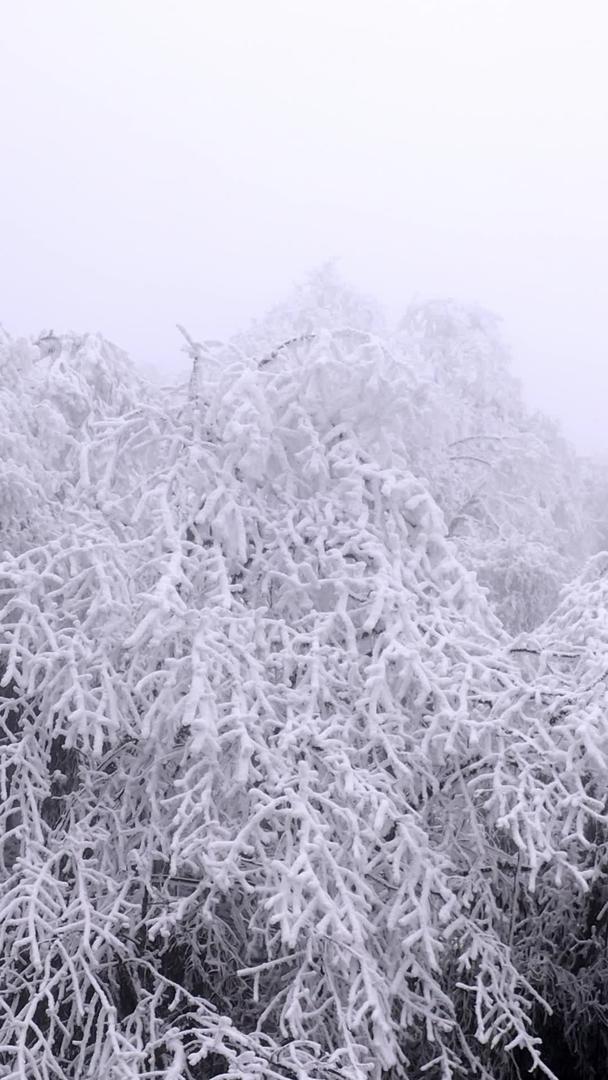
{"x": 277, "y": 788}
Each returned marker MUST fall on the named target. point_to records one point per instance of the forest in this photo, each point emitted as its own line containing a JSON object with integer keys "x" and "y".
{"x": 303, "y": 708}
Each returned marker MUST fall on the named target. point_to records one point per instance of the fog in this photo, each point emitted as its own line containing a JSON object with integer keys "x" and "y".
{"x": 190, "y": 161}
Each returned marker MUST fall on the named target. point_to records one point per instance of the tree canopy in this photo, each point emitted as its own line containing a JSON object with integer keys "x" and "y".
{"x": 302, "y": 759}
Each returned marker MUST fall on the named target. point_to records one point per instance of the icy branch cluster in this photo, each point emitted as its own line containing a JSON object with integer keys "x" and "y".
{"x": 280, "y": 796}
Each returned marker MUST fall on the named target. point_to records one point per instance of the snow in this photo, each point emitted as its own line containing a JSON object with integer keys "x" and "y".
{"x": 278, "y": 782}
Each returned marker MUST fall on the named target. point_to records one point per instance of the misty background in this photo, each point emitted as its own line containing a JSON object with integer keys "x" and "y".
{"x": 188, "y": 162}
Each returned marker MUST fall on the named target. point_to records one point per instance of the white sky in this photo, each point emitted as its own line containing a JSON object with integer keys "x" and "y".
{"x": 188, "y": 160}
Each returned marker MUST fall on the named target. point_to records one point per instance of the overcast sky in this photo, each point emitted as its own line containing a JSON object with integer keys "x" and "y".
{"x": 188, "y": 160}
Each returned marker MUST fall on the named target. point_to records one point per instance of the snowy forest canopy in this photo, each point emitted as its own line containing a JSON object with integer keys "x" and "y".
{"x": 303, "y": 734}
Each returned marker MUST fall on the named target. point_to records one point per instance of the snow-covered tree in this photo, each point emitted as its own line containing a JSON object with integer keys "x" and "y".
{"x": 561, "y": 933}
{"x": 322, "y": 302}
{"x": 514, "y": 494}
{"x": 280, "y": 798}
{"x": 517, "y": 500}
{"x": 48, "y": 404}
